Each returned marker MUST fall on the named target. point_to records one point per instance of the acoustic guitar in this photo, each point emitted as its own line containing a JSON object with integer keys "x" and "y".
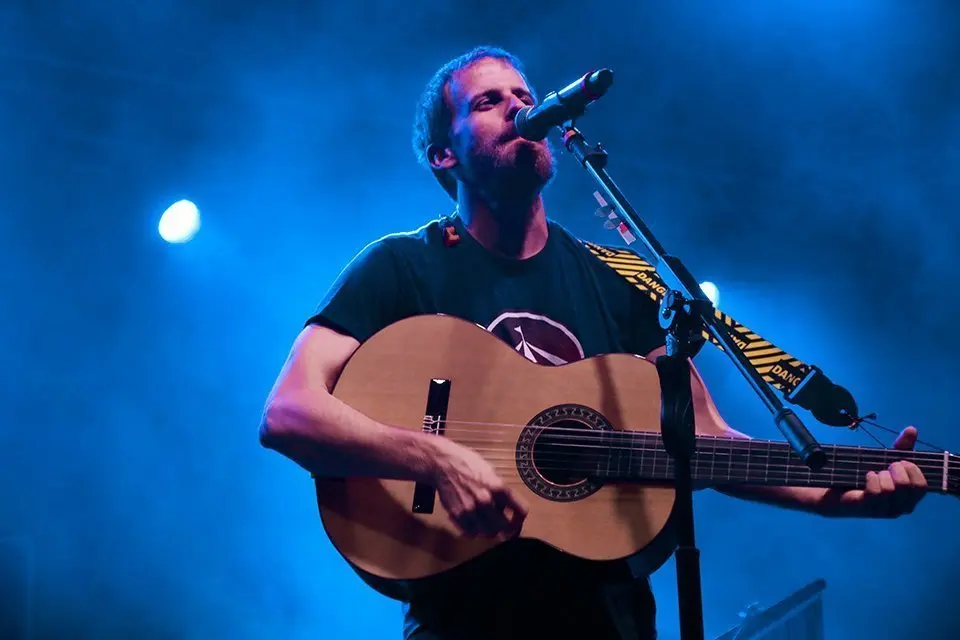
{"x": 579, "y": 442}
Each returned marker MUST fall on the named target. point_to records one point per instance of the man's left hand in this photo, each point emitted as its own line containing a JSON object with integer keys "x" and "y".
{"x": 890, "y": 493}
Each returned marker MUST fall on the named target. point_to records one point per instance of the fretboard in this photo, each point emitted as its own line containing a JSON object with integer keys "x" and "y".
{"x": 641, "y": 456}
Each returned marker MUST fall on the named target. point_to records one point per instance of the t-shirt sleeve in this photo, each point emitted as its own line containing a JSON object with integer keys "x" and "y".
{"x": 365, "y": 297}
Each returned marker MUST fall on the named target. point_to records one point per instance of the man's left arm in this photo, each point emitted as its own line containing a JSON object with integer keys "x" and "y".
{"x": 888, "y": 494}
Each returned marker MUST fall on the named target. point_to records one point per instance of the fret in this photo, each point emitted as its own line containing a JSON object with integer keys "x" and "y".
{"x": 695, "y": 468}
{"x": 643, "y": 465}
{"x": 713, "y": 458}
{"x": 786, "y": 478}
{"x": 607, "y": 451}
{"x": 612, "y": 452}
{"x": 655, "y": 472}
{"x": 638, "y": 466}
{"x": 857, "y": 459}
{"x": 766, "y": 464}
{"x": 833, "y": 472}
{"x": 604, "y": 439}
{"x": 953, "y": 475}
{"x": 740, "y": 461}
{"x": 614, "y": 446}
{"x": 730, "y": 459}
{"x": 651, "y": 471}
{"x": 946, "y": 471}
{"x": 622, "y": 452}
{"x": 704, "y": 450}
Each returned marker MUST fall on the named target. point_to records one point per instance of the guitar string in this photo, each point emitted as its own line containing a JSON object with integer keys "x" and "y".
{"x": 624, "y": 434}
{"x": 929, "y": 460}
{"x": 770, "y": 458}
{"x": 772, "y": 466}
{"x": 775, "y": 461}
{"x": 842, "y": 478}
{"x": 742, "y": 447}
{"x": 664, "y": 465}
{"x": 734, "y": 471}
{"x": 846, "y": 479}
{"x": 592, "y": 434}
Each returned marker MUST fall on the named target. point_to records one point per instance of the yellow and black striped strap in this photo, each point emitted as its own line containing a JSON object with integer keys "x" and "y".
{"x": 776, "y": 366}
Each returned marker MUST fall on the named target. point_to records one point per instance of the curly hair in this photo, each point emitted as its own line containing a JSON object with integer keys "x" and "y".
{"x": 433, "y": 119}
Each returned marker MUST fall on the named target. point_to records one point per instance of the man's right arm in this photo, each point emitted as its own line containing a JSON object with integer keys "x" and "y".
{"x": 305, "y": 422}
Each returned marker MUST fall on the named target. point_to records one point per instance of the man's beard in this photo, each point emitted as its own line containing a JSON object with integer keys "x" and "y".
{"x": 514, "y": 173}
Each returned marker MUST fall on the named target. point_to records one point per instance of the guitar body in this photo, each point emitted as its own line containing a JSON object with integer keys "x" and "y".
{"x": 491, "y": 393}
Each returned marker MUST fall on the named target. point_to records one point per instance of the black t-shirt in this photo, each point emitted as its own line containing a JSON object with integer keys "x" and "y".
{"x": 558, "y": 306}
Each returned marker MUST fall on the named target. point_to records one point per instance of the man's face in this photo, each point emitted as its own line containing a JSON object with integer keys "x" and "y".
{"x": 491, "y": 157}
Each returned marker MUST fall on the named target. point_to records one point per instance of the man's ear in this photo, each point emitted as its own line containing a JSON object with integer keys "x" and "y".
{"x": 441, "y": 157}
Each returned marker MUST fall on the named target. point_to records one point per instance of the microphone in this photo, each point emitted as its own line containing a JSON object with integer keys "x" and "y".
{"x": 534, "y": 123}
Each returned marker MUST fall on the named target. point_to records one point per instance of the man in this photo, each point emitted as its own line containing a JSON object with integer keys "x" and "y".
{"x": 498, "y": 261}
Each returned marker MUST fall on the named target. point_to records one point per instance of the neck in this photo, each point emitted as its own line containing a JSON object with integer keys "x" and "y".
{"x": 632, "y": 455}
{"x": 514, "y": 230}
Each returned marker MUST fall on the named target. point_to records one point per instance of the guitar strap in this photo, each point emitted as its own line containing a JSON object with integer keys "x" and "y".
{"x": 801, "y": 383}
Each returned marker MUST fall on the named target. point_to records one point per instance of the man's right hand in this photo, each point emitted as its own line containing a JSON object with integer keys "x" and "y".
{"x": 473, "y": 494}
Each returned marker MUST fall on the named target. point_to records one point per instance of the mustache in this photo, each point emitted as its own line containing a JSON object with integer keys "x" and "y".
{"x": 511, "y": 133}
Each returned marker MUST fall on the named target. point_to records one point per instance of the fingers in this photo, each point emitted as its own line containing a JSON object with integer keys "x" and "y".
{"x": 898, "y": 475}
{"x": 502, "y": 513}
{"x": 490, "y": 513}
{"x": 467, "y": 522}
{"x": 886, "y": 481}
{"x": 914, "y": 487}
{"x": 509, "y": 499}
{"x": 907, "y": 439}
{"x": 485, "y": 514}
{"x": 917, "y": 479}
{"x": 902, "y": 497}
{"x": 480, "y": 520}
{"x": 877, "y": 494}
{"x": 873, "y": 484}
{"x": 518, "y": 510}
{"x": 895, "y": 490}
{"x": 479, "y": 517}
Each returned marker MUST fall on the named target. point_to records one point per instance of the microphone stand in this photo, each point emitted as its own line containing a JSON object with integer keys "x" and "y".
{"x": 685, "y": 312}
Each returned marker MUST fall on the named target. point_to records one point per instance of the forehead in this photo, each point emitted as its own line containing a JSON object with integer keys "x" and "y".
{"x": 483, "y": 75}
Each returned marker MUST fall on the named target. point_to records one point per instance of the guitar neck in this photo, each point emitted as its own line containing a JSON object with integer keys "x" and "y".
{"x": 632, "y": 455}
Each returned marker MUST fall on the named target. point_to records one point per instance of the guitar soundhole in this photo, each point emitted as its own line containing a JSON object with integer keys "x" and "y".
{"x": 551, "y": 458}
{"x": 557, "y": 449}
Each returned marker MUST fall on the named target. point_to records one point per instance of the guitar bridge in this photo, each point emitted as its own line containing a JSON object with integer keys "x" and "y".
{"x": 434, "y": 421}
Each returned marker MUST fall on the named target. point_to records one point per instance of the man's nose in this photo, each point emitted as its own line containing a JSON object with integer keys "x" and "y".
{"x": 514, "y": 107}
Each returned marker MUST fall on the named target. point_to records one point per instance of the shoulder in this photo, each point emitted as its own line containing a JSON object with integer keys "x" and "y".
{"x": 413, "y": 241}
{"x": 599, "y": 256}
{"x": 620, "y": 268}
{"x": 400, "y": 245}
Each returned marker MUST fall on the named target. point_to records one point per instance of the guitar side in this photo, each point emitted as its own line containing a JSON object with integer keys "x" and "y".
{"x": 493, "y": 393}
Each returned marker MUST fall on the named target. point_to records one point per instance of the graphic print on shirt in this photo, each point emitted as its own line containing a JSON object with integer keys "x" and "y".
{"x": 537, "y": 338}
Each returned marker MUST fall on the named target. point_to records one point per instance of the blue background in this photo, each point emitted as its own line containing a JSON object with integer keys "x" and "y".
{"x": 802, "y": 155}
